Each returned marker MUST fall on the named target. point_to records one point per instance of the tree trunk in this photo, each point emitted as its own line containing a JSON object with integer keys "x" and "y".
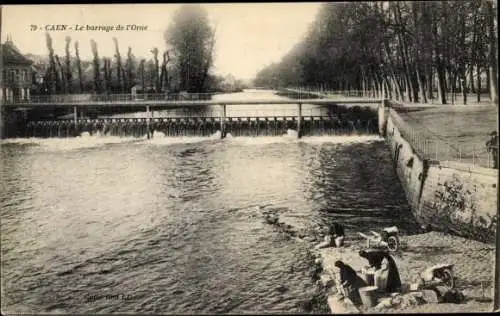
{"x": 60, "y": 75}
{"x": 441, "y": 81}
{"x": 488, "y": 86}
{"x": 143, "y": 83}
{"x": 478, "y": 74}
{"x": 440, "y": 69}
{"x": 421, "y": 85}
{"x": 471, "y": 80}
{"x": 430, "y": 83}
{"x": 464, "y": 86}
{"x": 493, "y": 82}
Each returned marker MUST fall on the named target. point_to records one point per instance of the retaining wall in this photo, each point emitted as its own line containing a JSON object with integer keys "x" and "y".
{"x": 448, "y": 196}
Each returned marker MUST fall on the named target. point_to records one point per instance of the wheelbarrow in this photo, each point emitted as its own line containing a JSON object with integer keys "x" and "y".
{"x": 439, "y": 274}
{"x": 388, "y": 238}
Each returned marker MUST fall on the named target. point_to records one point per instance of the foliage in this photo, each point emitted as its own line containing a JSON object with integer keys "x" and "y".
{"x": 192, "y": 40}
{"x": 401, "y": 50}
{"x": 457, "y": 211}
{"x": 185, "y": 65}
{"x": 453, "y": 201}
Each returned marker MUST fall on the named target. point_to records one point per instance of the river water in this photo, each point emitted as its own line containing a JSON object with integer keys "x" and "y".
{"x": 175, "y": 225}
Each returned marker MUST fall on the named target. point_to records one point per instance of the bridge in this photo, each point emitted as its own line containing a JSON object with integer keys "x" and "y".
{"x": 76, "y": 104}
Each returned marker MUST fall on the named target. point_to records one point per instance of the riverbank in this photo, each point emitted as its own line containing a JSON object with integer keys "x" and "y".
{"x": 473, "y": 268}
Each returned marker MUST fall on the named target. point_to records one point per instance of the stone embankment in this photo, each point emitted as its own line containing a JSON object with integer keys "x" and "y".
{"x": 447, "y": 196}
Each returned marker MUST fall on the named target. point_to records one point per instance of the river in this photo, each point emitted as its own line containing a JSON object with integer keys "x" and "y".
{"x": 171, "y": 225}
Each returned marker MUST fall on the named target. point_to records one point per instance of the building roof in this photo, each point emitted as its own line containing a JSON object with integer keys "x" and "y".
{"x": 12, "y": 56}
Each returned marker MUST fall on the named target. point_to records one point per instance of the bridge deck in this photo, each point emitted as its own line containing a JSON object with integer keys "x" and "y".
{"x": 27, "y": 104}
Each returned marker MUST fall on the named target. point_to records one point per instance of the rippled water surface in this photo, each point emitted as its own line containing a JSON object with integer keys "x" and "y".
{"x": 171, "y": 226}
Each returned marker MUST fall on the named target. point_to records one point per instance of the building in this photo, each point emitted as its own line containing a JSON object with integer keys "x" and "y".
{"x": 16, "y": 73}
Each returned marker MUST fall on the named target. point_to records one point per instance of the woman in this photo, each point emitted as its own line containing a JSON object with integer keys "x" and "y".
{"x": 383, "y": 264}
{"x": 334, "y": 236}
{"x": 350, "y": 282}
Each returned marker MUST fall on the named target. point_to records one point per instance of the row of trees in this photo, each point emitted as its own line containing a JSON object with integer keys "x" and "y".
{"x": 409, "y": 51}
{"x": 184, "y": 66}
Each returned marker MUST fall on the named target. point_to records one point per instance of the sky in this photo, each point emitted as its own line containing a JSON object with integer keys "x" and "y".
{"x": 249, "y": 36}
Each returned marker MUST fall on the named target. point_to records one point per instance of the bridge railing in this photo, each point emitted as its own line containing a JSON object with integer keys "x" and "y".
{"x": 329, "y": 92}
{"x": 124, "y": 98}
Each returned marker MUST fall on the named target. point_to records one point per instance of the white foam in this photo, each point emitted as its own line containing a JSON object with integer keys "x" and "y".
{"x": 342, "y": 139}
{"x": 89, "y": 141}
{"x": 72, "y": 143}
{"x": 160, "y": 138}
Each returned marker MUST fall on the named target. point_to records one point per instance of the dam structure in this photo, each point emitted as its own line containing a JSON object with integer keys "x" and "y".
{"x": 306, "y": 114}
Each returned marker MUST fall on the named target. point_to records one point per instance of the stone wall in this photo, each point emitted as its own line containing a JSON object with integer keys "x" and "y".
{"x": 448, "y": 196}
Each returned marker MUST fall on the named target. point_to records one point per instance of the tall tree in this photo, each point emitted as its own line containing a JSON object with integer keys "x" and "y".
{"x": 68, "y": 74}
{"x": 190, "y": 37}
{"x": 60, "y": 75}
{"x": 79, "y": 67}
{"x": 142, "y": 72}
{"x": 130, "y": 66}
{"x": 97, "y": 72}
{"x": 119, "y": 67}
{"x": 164, "y": 72}
{"x": 156, "y": 71}
{"x": 53, "y": 79}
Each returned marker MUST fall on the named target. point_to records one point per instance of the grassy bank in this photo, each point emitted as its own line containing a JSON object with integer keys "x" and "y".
{"x": 463, "y": 130}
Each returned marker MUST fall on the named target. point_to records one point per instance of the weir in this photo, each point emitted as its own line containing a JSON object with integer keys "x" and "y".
{"x": 201, "y": 126}
{"x": 345, "y": 116}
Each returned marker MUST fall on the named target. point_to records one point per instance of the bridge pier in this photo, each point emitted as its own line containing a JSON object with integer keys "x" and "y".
{"x": 222, "y": 123}
{"x": 75, "y": 120}
{"x": 382, "y": 108}
{"x": 148, "y": 121}
{"x": 299, "y": 121}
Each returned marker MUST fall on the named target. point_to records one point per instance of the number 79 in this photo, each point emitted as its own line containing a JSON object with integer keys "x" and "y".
{"x": 33, "y": 27}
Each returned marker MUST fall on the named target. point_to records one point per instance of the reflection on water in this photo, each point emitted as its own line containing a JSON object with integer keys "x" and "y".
{"x": 169, "y": 225}
{"x": 173, "y": 225}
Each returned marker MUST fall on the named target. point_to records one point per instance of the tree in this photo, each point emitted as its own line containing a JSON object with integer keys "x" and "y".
{"x": 142, "y": 71}
{"x": 108, "y": 87}
{"x": 79, "y": 68}
{"x": 52, "y": 78}
{"x": 164, "y": 72}
{"x": 68, "y": 73}
{"x": 60, "y": 76}
{"x": 156, "y": 71}
{"x": 119, "y": 73}
{"x": 403, "y": 50}
{"x": 130, "y": 66}
{"x": 97, "y": 72}
{"x": 191, "y": 38}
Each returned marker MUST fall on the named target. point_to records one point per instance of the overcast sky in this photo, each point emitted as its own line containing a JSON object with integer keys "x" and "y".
{"x": 249, "y": 36}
